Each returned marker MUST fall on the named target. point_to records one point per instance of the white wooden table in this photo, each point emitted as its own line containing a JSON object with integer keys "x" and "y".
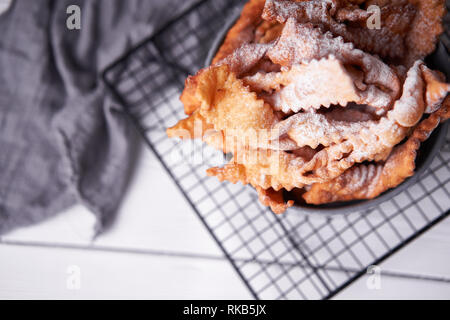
{"x": 158, "y": 249}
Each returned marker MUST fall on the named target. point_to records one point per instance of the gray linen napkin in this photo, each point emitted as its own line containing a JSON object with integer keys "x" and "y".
{"x": 62, "y": 139}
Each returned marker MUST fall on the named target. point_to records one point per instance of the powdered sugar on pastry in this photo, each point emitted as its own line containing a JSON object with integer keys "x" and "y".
{"x": 245, "y": 57}
{"x": 302, "y": 43}
{"x": 329, "y": 15}
{"x": 328, "y": 100}
{"x": 410, "y": 107}
{"x": 436, "y": 89}
{"x": 315, "y": 84}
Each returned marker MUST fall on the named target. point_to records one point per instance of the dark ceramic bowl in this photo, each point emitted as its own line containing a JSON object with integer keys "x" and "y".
{"x": 427, "y": 152}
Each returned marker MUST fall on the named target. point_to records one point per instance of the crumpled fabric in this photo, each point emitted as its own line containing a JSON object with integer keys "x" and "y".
{"x": 63, "y": 139}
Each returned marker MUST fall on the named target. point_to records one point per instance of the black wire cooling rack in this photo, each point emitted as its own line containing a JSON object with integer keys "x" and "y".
{"x": 291, "y": 256}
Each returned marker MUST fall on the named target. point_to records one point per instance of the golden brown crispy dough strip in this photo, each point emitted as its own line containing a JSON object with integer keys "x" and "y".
{"x": 348, "y": 144}
{"x": 300, "y": 43}
{"x": 410, "y": 107}
{"x": 226, "y": 103}
{"x": 265, "y": 168}
{"x": 325, "y": 13}
{"x": 268, "y": 31}
{"x": 369, "y": 181}
{"x": 366, "y": 138}
{"x": 279, "y": 169}
{"x": 243, "y": 30}
{"x": 409, "y": 28}
{"x": 425, "y": 29}
{"x": 185, "y": 128}
{"x": 436, "y": 89}
{"x": 235, "y": 173}
{"x": 218, "y": 99}
{"x": 245, "y": 58}
{"x": 274, "y": 200}
{"x": 316, "y": 84}
{"x": 239, "y": 62}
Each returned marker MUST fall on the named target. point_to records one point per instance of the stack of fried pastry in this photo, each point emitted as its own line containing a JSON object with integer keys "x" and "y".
{"x": 316, "y": 106}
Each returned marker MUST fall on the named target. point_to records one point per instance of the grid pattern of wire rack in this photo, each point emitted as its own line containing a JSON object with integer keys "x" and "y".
{"x": 291, "y": 256}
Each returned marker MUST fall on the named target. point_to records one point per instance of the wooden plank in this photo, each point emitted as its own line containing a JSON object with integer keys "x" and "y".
{"x": 396, "y": 288}
{"x": 147, "y": 222}
{"x": 429, "y": 254}
{"x": 154, "y": 216}
{"x": 47, "y": 273}
{"x": 72, "y": 226}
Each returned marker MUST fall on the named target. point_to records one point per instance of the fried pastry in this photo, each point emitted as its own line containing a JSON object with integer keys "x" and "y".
{"x": 408, "y": 30}
{"x": 313, "y": 105}
{"x": 369, "y": 181}
{"x": 316, "y": 84}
